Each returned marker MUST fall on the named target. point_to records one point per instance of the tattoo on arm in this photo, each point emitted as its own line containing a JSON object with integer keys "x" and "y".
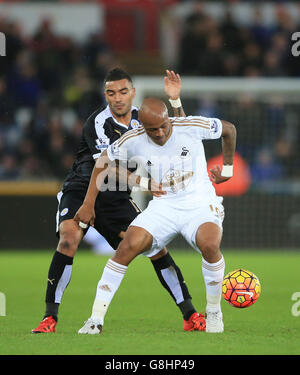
{"x": 228, "y": 142}
{"x": 178, "y": 112}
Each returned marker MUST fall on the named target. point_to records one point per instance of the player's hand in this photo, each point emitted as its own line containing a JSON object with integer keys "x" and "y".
{"x": 85, "y": 215}
{"x": 156, "y": 189}
{"x": 215, "y": 175}
{"x": 172, "y": 82}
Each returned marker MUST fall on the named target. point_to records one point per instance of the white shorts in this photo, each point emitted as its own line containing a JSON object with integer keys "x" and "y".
{"x": 164, "y": 219}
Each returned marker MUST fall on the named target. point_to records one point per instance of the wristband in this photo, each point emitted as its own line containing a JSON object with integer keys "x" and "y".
{"x": 175, "y": 103}
{"x": 82, "y": 225}
{"x": 144, "y": 183}
{"x": 227, "y": 171}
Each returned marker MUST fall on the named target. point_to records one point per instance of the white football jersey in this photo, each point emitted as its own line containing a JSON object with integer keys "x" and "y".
{"x": 180, "y": 164}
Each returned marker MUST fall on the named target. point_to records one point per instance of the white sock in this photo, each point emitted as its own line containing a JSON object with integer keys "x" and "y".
{"x": 213, "y": 274}
{"x": 109, "y": 283}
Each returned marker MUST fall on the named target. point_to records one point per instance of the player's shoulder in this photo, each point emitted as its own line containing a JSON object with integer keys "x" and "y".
{"x": 132, "y": 135}
{"x": 134, "y": 109}
{"x": 190, "y": 121}
{"x": 103, "y": 115}
{"x": 98, "y": 117}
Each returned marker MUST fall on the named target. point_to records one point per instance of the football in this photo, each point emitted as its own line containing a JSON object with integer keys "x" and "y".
{"x": 241, "y": 288}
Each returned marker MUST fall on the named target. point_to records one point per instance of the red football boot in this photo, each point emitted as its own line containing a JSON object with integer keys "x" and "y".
{"x": 196, "y": 322}
{"x": 47, "y": 325}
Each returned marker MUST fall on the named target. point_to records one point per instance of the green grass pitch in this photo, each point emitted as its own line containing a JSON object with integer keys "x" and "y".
{"x": 142, "y": 318}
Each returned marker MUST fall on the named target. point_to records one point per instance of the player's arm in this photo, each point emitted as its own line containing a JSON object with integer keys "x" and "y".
{"x": 219, "y": 175}
{"x": 172, "y": 84}
{"x": 131, "y": 179}
{"x": 86, "y": 213}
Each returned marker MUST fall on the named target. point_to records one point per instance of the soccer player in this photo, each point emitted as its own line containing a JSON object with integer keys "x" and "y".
{"x": 115, "y": 210}
{"x": 190, "y": 206}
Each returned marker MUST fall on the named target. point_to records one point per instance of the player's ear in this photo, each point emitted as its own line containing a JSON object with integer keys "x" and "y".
{"x": 133, "y": 92}
{"x": 105, "y": 96}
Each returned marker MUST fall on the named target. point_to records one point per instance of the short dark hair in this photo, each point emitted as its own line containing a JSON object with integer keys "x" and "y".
{"x": 117, "y": 74}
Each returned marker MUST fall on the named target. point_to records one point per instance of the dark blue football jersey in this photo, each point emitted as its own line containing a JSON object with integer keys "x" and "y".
{"x": 99, "y": 131}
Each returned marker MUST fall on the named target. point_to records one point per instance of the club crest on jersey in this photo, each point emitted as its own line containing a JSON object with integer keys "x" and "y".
{"x": 134, "y": 124}
{"x": 184, "y": 153}
{"x": 102, "y": 143}
{"x": 175, "y": 180}
{"x": 64, "y": 212}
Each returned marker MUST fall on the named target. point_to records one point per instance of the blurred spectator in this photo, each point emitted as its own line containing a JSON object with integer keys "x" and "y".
{"x": 233, "y": 41}
{"x": 192, "y": 44}
{"x": 95, "y": 49}
{"x": 232, "y": 65}
{"x": 213, "y": 48}
{"x": 7, "y": 106}
{"x": 211, "y": 62}
{"x": 57, "y": 147}
{"x": 288, "y": 155}
{"x": 14, "y": 43}
{"x": 260, "y": 32}
{"x": 247, "y": 113}
{"x": 284, "y": 22}
{"x": 207, "y": 107}
{"x": 31, "y": 169}
{"x": 252, "y": 58}
{"x": 274, "y": 114}
{"x": 81, "y": 93}
{"x": 23, "y": 81}
{"x": 9, "y": 169}
{"x": 265, "y": 167}
{"x": 271, "y": 65}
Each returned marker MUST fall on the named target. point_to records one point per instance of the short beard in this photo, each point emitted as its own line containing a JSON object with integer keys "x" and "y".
{"x": 120, "y": 114}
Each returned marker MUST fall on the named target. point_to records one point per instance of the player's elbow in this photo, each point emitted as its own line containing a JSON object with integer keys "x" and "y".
{"x": 228, "y": 130}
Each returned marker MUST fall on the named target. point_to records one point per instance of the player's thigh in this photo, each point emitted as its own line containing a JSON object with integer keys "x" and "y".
{"x": 208, "y": 240}
{"x": 68, "y": 231}
{"x": 204, "y": 225}
{"x": 136, "y": 241}
{"x": 68, "y": 205}
{"x": 112, "y": 222}
{"x": 163, "y": 252}
{"x": 161, "y": 221}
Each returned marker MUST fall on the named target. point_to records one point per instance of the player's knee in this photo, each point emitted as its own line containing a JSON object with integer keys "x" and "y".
{"x": 68, "y": 245}
{"x": 125, "y": 252}
{"x": 210, "y": 250}
{"x": 69, "y": 238}
{"x": 159, "y": 255}
{"x": 127, "y": 247}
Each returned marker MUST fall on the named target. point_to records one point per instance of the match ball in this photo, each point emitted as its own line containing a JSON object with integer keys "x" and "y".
{"x": 241, "y": 288}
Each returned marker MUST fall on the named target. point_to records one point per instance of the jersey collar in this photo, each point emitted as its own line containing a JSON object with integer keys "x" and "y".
{"x": 107, "y": 109}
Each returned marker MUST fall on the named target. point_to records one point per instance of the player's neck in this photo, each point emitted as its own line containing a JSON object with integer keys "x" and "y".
{"x": 124, "y": 119}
